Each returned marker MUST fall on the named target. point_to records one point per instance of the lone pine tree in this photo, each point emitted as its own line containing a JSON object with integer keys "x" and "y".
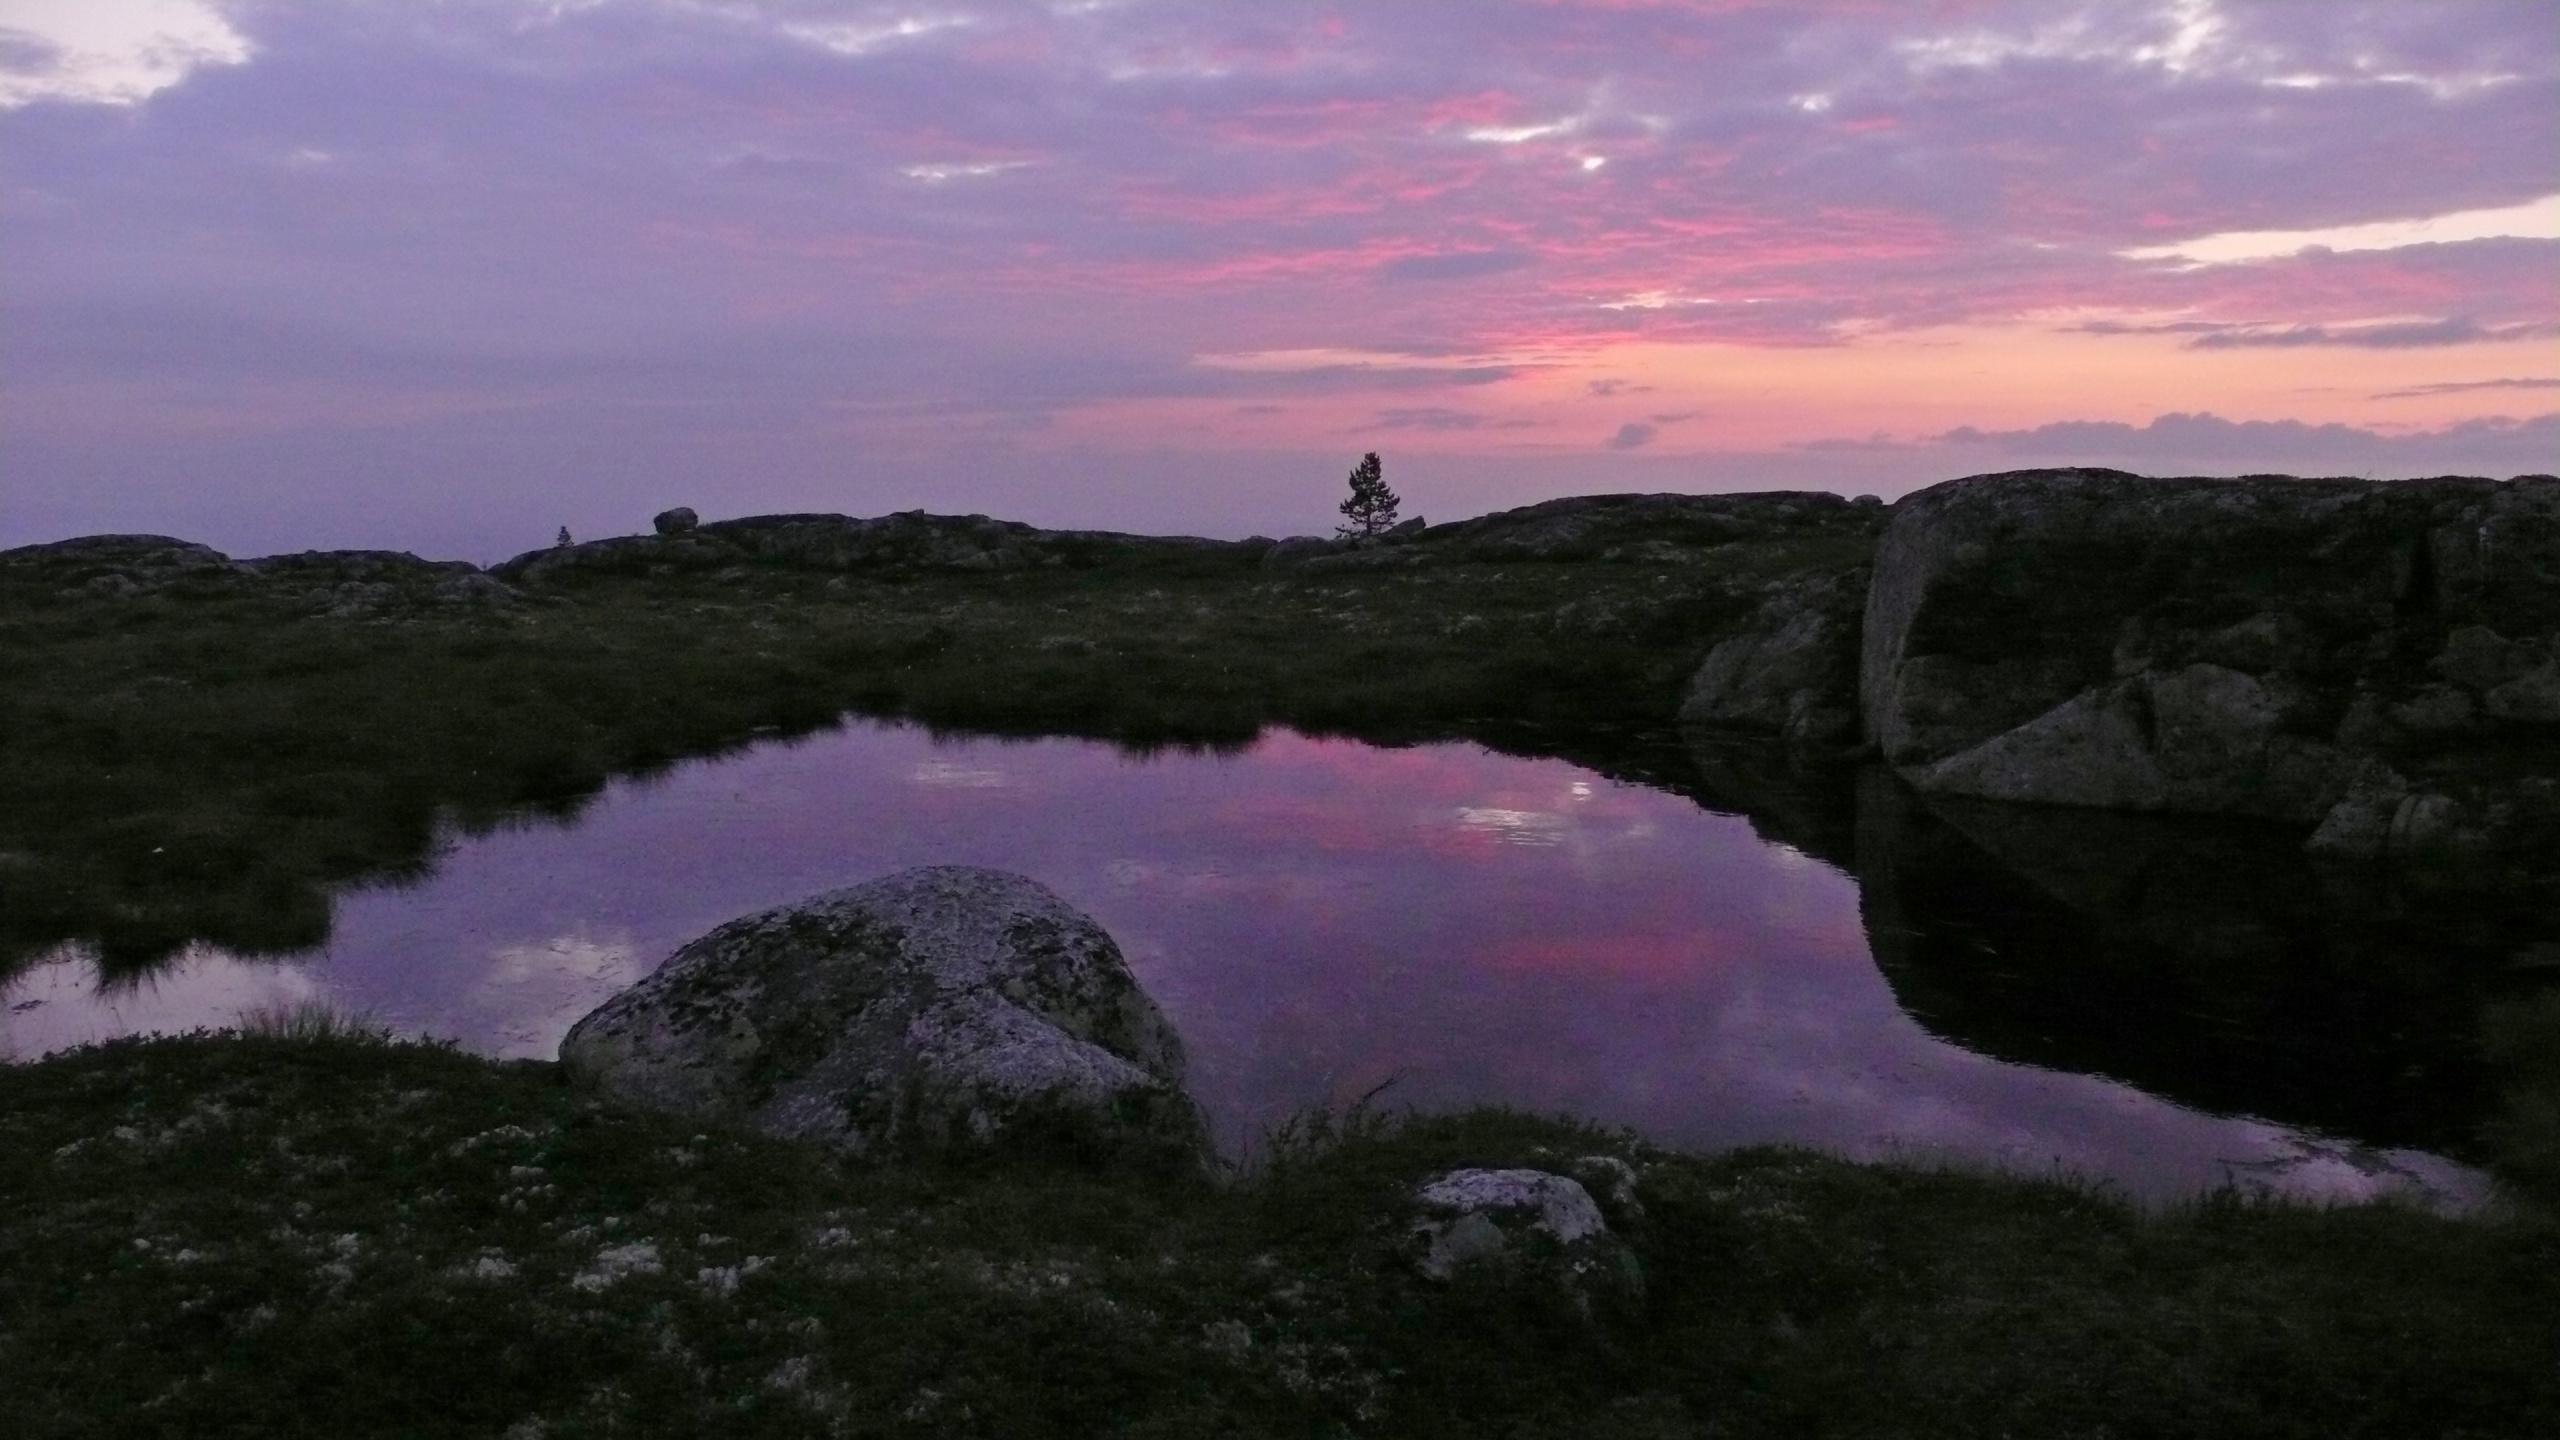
{"x": 1371, "y": 510}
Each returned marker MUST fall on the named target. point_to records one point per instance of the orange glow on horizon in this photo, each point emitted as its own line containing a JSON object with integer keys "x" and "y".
{"x": 1899, "y": 386}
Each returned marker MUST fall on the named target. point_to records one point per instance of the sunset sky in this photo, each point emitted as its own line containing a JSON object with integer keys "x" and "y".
{"x": 448, "y": 276}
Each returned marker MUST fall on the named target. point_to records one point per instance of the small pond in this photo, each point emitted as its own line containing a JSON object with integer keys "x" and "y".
{"x": 1318, "y": 917}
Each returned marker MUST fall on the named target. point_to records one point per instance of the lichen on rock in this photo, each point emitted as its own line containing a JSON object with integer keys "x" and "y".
{"x": 939, "y": 1009}
{"x": 1522, "y": 1224}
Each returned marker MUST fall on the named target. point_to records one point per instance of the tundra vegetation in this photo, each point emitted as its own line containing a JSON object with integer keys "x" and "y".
{"x": 303, "y": 1227}
{"x": 279, "y": 1235}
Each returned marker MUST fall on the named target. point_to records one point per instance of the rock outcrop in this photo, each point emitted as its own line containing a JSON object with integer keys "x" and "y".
{"x": 1791, "y": 667}
{"x": 909, "y": 541}
{"x": 2329, "y": 653}
{"x": 942, "y": 1009}
{"x": 328, "y": 584}
{"x": 1641, "y": 527}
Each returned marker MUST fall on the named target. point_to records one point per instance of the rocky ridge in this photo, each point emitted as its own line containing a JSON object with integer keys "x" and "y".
{"x": 339, "y": 584}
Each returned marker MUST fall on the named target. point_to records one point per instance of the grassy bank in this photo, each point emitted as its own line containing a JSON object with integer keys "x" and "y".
{"x": 331, "y": 1236}
{"x": 201, "y": 751}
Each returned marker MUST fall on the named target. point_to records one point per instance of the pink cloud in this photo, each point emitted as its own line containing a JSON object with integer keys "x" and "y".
{"x": 1041, "y": 215}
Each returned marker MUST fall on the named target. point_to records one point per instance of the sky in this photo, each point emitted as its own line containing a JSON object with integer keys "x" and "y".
{"x": 449, "y": 276}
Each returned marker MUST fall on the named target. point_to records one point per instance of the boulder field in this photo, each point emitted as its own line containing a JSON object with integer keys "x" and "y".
{"x": 2377, "y": 662}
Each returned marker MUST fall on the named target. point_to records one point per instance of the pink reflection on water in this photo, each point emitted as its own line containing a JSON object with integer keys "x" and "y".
{"x": 1318, "y": 917}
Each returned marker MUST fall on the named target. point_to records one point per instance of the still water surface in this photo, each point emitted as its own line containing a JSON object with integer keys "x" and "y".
{"x": 1318, "y": 917}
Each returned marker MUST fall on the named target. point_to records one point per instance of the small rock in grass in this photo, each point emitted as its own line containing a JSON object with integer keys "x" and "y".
{"x": 1475, "y": 1214}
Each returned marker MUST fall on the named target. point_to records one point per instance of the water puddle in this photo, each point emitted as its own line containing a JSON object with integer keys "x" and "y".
{"x": 1318, "y": 917}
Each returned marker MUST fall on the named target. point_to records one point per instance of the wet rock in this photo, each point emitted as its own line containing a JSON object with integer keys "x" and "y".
{"x": 676, "y": 521}
{"x": 940, "y": 1009}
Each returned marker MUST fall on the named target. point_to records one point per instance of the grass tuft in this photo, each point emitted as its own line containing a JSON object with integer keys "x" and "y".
{"x": 313, "y": 1022}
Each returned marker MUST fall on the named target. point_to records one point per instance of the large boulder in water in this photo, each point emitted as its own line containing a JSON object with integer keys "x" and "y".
{"x": 941, "y": 1009}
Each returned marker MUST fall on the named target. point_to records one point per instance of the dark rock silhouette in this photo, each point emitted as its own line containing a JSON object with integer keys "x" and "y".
{"x": 2380, "y": 652}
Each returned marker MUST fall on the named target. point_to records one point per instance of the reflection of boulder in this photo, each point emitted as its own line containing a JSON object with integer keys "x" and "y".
{"x": 2209, "y": 962}
{"x": 1808, "y": 807}
{"x": 935, "y": 1009}
{"x": 2236, "y": 647}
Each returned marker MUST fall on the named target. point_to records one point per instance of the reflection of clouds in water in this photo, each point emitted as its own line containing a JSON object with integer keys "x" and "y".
{"x": 2292, "y": 1162}
{"x": 532, "y": 993}
{"x": 1970, "y": 1112}
{"x": 1314, "y": 917}
{"x": 965, "y": 777}
{"x": 1515, "y": 827}
{"x": 57, "y": 1004}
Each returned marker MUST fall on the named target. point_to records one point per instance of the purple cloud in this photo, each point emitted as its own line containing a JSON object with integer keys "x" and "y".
{"x": 2499, "y": 444}
{"x": 2459, "y": 387}
{"x": 821, "y": 245}
{"x": 1436, "y": 417}
{"x": 2403, "y": 335}
{"x": 1461, "y": 265}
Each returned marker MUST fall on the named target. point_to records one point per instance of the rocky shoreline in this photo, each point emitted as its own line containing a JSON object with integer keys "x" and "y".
{"x": 2377, "y": 662}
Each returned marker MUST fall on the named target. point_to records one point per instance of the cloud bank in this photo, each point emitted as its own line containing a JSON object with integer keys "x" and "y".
{"x": 861, "y": 254}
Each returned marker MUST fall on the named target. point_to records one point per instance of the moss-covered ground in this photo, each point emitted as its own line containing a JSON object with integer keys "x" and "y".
{"x": 333, "y": 1236}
